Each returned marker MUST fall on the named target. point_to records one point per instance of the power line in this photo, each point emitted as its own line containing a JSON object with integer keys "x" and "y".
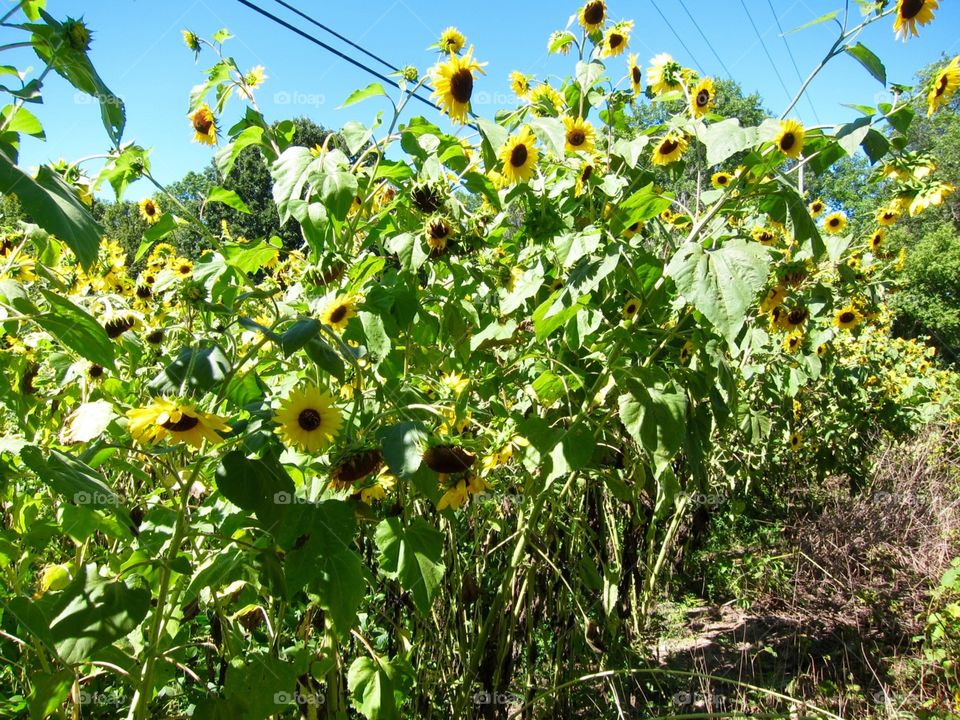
{"x": 337, "y": 35}
{"x": 705, "y": 39}
{"x": 792, "y": 58}
{"x": 675, "y": 34}
{"x": 316, "y": 41}
{"x": 765, "y": 50}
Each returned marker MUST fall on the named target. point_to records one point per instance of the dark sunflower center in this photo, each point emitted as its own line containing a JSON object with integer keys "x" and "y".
{"x": 587, "y": 172}
{"x": 910, "y": 8}
{"x": 817, "y": 207}
{"x": 117, "y": 327}
{"x": 185, "y": 423}
{"x": 143, "y": 292}
{"x": 636, "y": 75}
{"x": 155, "y": 338}
{"x": 722, "y": 180}
{"x": 461, "y": 86}
{"x": 616, "y": 40}
{"x": 519, "y": 155}
{"x": 95, "y": 371}
{"x": 834, "y": 222}
{"x": 847, "y": 317}
{"x": 185, "y": 269}
{"x": 149, "y": 208}
{"x": 668, "y": 146}
{"x": 766, "y": 237}
{"x": 631, "y": 308}
{"x": 309, "y": 419}
{"x": 942, "y": 85}
{"x": 788, "y": 141}
{"x": 576, "y": 137}
{"x": 797, "y": 316}
{"x": 703, "y": 98}
{"x": 439, "y": 230}
{"x": 888, "y": 216}
{"x": 593, "y": 13}
{"x": 338, "y": 313}
{"x": 202, "y": 123}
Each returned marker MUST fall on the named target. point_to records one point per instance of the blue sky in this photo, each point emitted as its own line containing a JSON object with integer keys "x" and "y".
{"x": 139, "y": 52}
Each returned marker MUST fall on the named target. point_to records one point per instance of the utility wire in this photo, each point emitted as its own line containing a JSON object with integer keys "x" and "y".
{"x": 705, "y": 39}
{"x": 765, "y": 50}
{"x": 337, "y": 35}
{"x": 336, "y": 52}
{"x": 792, "y": 59}
{"x": 675, "y": 34}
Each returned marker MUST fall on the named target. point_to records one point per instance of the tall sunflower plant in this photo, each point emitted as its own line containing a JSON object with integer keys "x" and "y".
{"x": 448, "y": 445}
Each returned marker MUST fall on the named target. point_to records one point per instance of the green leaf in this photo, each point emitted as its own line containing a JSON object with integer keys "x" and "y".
{"x": 551, "y": 132}
{"x": 249, "y": 258}
{"x": 339, "y": 585}
{"x": 49, "y": 692}
{"x": 73, "y": 480}
{"x": 76, "y": 329}
{"x": 403, "y": 446}
{"x": 258, "y": 485}
{"x": 822, "y": 19}
{"x": 721, "y": 283}
{"x": 378, "y": 342}
{"x": 409, "y": 250}
{"x": 869, "y": 60}
{"x": 378, "y": 688}
{"x": 875, "y": 145}
{"x": 326, "y": 357}
{"x": 199, "y": 369}
{"x": 298, "y": 335}
{"x": 53, "y": 205}
{"x": 228, "y": 198}
{"x": 290, "y": 172}
{"x": 412, "y": 554}
{"x": 725, "y": 138}
{"x": 338, "y": 190}
{"x": 588, "y": 73}
{"x": 654, "y": 417}
{"x": 255, "y": 682}
{"x": 21, "y": 120}
{"x": 227, "y": 155}
{"x": 371, "y": 90}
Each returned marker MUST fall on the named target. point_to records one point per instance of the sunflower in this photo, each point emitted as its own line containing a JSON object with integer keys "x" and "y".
{"x": 308, "y": 419}
{"x": 454, "y": 497}
{"x": 191, "y": 40}
{"x": 355, "y": 467}
{"x": 876, "y": 240}
{"x": 721, "y": 180}
{"x": 592, "y": 15}
{"x": 452, "y": 41}
{"x": 453, "y": 84}
{"x": 669, "y": 149}
{"x": 454, "y": 382}
{"x": 686, "y": 352}
{"x": 182, "y": 267}
{"x": 790, "y": 138}
{"x": 204, "y": 126}
{"x": 116, "y": 325}
{"x": 438, "y": 232}
{"x": 337, "y": 313}
{"x": 580, "y": 135}
{"x": 385, "y": 482}
{"x": 816, "y": 208}
{"x": 910, "y": 13}
{"x": 149, "y": 210}
{"x": 615, "y": 39}
{"x": 847, "y": 318}
{"x": 888, "y": 215}
{"x": 448, "y": 459}
{"x": 635, "y": 73}
{"x": 793, "y": 342}
{"x": 764, "y": 235}
{"x": 931, "y": 196}
{"x": 519, "y": 156}
{"x": 664, "y": 74}
{"x": 835, "y": 222}
{"x": 796, "y": 441}
{"x": 154, "y": 337}
{"x": 545, "y": 97}
{"x": 255, "y": 77}
{"x": 180, "y": 422}
{"x": 520, "y": 84}
{"x": 703, "y": 97}
{"x": 795, "y": 317}
{"x": 945, "y": 84}
{"x": 630, "y": 308}
{"x": 822, "y": 349}
{"x": 774, "y": 297}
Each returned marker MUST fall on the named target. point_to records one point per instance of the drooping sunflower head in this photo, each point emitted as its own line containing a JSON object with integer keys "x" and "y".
{"x": 816, "y": 208}
{"x": 669, "y": 149}
{"x": 790, "y": 139}
{"x": 520, "y": 84}
{"x": 77, "y": 34}
{"x": 616, "y": 38}
{"x": 835, "y": 223}
{"x": 721, "y": 180}
{"x": 847, "y": 317}
{"x": 774, "y": 297}
{"x": 580, "y": 135}
{"x": 119, "y": 323}
{"x": 204, "y": 125}
{"x": 191, "y": 40}
{"x": 635, "y": 73}
{"x": 355, "y": 467}
{"x": 308, "y": 419}
{"x": 911, "y": 13}
{"x": 703, "y": 97}
{"x": 337, "y": 313}
{"x": 180, "y": 422}
{"x": 453, "y": 84}
{"x": 546, "y": 100}
{"x": 451, "y": 41}
{"x": 519, "y": 156}
{"x": 149, "y": 210}
{"x": 764, "y": 235}
{"x": 630, "y": 308}
{"x": 592, "y": 15}
{"x": 438, "y": 231}
{"x": 448, "y": 459}
{"x": 426, "y": 197}
{"x": 945, "y": 84}
{"x": 664, "y": 74}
